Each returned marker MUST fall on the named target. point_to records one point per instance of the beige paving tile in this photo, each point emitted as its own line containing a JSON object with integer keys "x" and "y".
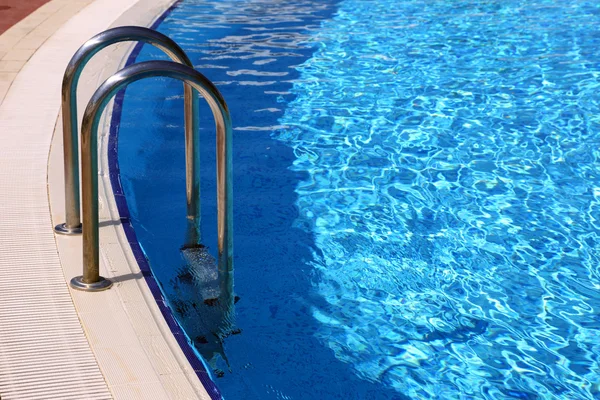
{"x": 89, "y": 304}
{"x": 129, "y": 290}
{"x": 4, "y": 86}
{"x": 34, "y": 19}
{"x": 104, "y": 329}
{"x": 51, "y": 7}
{"x": 11, "y": 66}
{"x": 8, "y": 40}
{"x": 143, "y": 320}
{"x": 142, "y": 391}
{"x": 120, "y": 365}
{"x": 19, "y": 30}
{"x": 54, "y": 21}
{"x": 28, "y": 24}
{"x": 7, "y": 76}
{"x": 159, "y": 349}
{"x": 17, "y": 55}
{"x": 31, "y": 41}
{"x": 177, "y": 385}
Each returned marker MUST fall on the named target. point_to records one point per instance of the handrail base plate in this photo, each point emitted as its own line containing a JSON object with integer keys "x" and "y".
{"x": 62, "y": 229}
{"x": 77, "y": 283}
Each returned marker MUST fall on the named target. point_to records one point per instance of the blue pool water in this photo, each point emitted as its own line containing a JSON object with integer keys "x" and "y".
{"x": 417, "y": 194}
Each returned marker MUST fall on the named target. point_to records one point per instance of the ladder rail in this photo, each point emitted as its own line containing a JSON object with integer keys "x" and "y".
{"x": 72, "y": 224}
{"x": 91, "y": 279}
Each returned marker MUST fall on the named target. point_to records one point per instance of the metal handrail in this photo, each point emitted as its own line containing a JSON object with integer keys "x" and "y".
{"x": 72, "y": 224}
{"x": 91, "y": 279}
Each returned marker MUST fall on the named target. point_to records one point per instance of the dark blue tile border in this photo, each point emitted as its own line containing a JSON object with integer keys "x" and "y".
{"x": 124, "y": 215}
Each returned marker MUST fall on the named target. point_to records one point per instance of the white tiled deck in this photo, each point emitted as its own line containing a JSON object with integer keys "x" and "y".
{"x": 54, "y": 342}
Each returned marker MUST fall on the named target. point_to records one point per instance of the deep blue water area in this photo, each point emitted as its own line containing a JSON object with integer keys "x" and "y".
{"x": 416, "y": 194}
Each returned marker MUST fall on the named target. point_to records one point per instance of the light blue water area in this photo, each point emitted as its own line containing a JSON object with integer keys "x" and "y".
{"x": 417, "y": 194}
{"x": 453, "y": 193}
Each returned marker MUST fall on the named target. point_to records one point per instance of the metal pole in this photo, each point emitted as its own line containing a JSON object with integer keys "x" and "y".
{"x": 72, "y": 224}
{"x": 192, "y": 164}
{"x": 91, "y": 280}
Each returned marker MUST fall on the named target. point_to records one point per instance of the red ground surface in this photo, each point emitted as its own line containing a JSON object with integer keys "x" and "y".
{"x": 12, "y": 11}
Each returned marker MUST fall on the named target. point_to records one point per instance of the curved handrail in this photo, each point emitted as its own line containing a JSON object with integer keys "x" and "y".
{"x": 73, "y": 71}
{"x": 91, "y": 279}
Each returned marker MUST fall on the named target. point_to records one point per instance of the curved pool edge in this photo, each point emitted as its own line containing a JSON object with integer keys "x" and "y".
{"x": 138, "y": 345}
{"x": 113, "y": 121}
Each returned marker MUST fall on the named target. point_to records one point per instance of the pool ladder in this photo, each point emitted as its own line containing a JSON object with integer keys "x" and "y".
{"x": 194, "y": 84}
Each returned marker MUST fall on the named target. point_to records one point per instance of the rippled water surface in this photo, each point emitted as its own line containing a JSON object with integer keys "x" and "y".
{"x": 417, "y": 194}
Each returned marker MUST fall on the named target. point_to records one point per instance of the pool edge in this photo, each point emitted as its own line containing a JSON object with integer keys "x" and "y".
{"x": 123, "y": 210}
{"x": 130, "y": 319}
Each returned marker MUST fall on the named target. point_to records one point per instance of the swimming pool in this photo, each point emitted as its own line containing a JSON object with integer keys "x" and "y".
{"x": 416, "y": 194}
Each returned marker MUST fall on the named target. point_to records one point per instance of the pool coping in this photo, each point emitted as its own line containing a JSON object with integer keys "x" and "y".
{"x": 133, "y": 344}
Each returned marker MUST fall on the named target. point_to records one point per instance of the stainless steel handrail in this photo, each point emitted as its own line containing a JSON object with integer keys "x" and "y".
{"x": 91, "y": 279}
{"x": 72, "y": 224}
